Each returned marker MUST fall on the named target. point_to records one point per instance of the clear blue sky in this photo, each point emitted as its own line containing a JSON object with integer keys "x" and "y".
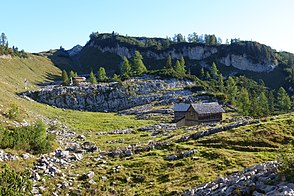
{"x": 35, "y": 25}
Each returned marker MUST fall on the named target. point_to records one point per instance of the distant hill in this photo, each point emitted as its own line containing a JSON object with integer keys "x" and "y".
{"x": 253, "y": 59}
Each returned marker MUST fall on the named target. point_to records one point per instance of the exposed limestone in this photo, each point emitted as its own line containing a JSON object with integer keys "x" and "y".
{"x": 243, "y": 63}
{"x": 261, "y": 179}
{"x": 115, "y": 96}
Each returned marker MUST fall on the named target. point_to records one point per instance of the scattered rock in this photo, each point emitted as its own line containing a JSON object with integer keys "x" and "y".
{"x": 261, "y": 179}
{"x": 81, "y": 137}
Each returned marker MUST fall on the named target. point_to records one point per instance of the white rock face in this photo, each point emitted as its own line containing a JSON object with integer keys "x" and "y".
{"x": 243, "y": 63}
{"x": 194, "y": 53}
{"x": 114, "y": 96}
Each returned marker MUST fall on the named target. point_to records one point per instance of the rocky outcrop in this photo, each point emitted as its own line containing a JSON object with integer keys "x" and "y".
{"x": 242, "y": 62}
{"x": 261, "y": 179}
{"x": 114, "y": 96}
{"x": 191, "y": 52}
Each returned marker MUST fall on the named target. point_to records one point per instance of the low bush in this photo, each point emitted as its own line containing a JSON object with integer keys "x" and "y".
{"x": 14, "y": 183}
{"x": 30, "y": 138}
{"x": 286, "y": 158}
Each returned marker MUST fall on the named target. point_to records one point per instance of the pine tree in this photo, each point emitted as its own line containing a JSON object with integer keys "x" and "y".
{"x": 182, "y": 61}
{"x": 263, "y": 103}
{"x": 255, "y": 110}
{"x": 271, "y": 102}
{"x": 71, "y": 74}
{"x": 126, "y": 68}
{"x": 283, "y": 100}
{"x": 115, "y": 78}
{"x": 179, "y": 68}
{"x": 244, "y": 102}
{"x": 221, "y": 83}
{"x": 138, "y": 67}
{"x": 92, "y": 78}
{"x": 65, "y": 78}
{"x": 168, "y": 64}
{"x": 214, "y": 71}
{"x": 102, "y": 74}
{"x": 232, "y": 90}
{"x": 207, "y": 75}
{"x": 202, "y": 73}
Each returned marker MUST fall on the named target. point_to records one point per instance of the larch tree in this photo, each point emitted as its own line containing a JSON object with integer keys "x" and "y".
{"x": 92, "y": 78}
{"x": 138, "y": 67}
{"x": 214, "y": 71}
{"x": 221, "y": 83}
{"x": 71, "y": 74}
{"x": 244, "y": 102}
{"x": 271, "y": 101}
{"x": 283, "y": 100}
{"x": 231, "y": 89}
{"x": 102, "y": 74}
{"x": 168, "y": 64}
{"x": 263, "y": 103}
{"x": 65, "y": 78}
{"x": 202, "y": 73}
{"x": 126, "y": 68}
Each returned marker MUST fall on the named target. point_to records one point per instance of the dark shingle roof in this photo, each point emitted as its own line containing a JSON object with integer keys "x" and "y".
{"x": 181, "y": 107}
{"x": 207, "y": 108}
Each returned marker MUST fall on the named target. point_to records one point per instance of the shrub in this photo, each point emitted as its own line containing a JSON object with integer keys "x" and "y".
{"x": 286, "y": 158}
{"x": 13, "y": 112}
{"x": 30, "y": 138}
{"x": 14, "y": 183}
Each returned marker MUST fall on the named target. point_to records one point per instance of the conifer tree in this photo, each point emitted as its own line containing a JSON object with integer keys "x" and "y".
{"x": 71, "y": 74}
{"x": 271, "y": 101}
{"x": 126, "y": 68}
{"x": 138, "y": 67}
{"x": 263, "y": 103}
{"x": 214, "y": 71}
{"x": 232, "y": 90}
{"x": 65, "y": 78}
{"x": 283, "y": 100}
{"x": 168, "y": 64}
{"x": 244, "y": 102}
{"x": 92, "y": 78}
{"x": 179, "y": 68}
{"x": 102, "y": 74}
{"x": 182, "y": 62}
{"x": 207, "y": 75}
{"x": 202, "y": 73}
{"x": 115, "y": 78}
{"x": 221, "y": 83}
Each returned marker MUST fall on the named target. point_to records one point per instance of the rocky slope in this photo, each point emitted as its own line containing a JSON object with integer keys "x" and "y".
{"x": 114, "y": 96}
{"x": 261, "y": 179}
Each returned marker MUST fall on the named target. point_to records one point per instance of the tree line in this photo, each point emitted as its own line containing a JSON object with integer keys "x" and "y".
{"x": 251, "y": 98}
{"x": 132, "y": 68}
{"x": 6, "y": 50}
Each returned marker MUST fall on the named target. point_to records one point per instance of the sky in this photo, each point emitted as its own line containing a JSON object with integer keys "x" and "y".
{"x": 35, "y": 25}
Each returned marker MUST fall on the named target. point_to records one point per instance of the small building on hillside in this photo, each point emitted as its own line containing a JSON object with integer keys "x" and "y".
{"x": 199, "y": 113}
{"x": 180, "y": 111}
{"x": 78, "y": 79}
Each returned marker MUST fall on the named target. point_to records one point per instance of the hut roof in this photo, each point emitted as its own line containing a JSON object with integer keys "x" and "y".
{"x": 207, "y": 108}
{"x": 181, "y": 107}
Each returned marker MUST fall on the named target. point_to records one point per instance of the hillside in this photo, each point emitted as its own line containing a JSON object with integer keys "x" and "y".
{"x": 120, "y": 154}
{"x": 21, "y": 74}
{"x": 255, "y": 60}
